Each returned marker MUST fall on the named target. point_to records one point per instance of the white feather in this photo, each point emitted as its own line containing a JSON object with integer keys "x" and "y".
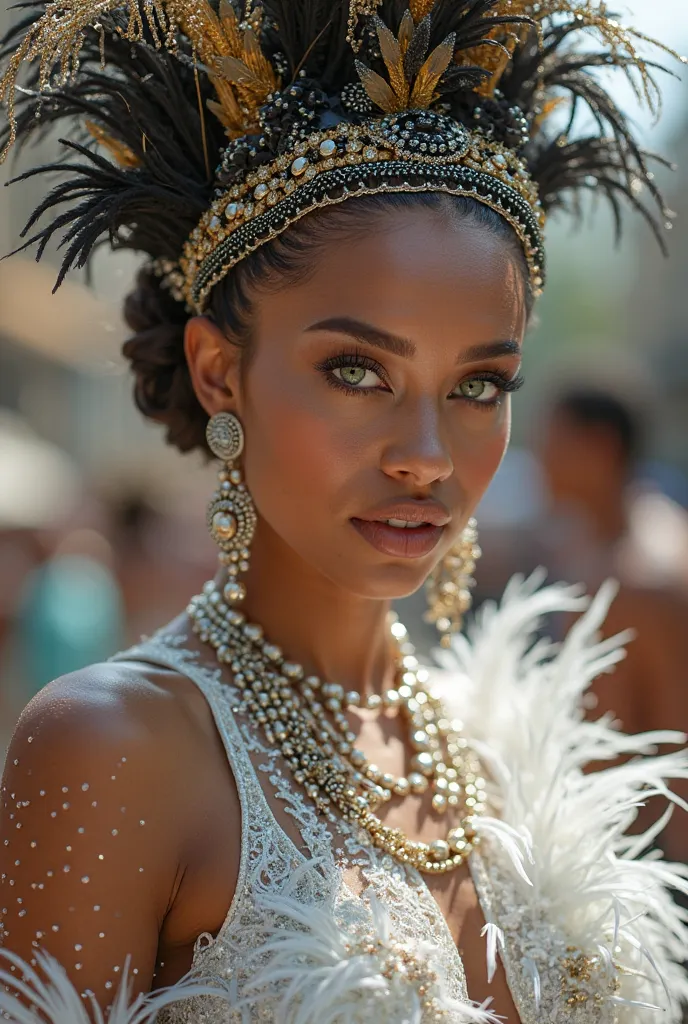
{"x": 523, "y": 702}
{"x": 315, "y": 971}
{"x": 53, "y": 999}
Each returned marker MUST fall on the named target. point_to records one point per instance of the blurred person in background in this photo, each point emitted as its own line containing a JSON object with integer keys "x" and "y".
{"x": 71, "y": 612}
{"x": 269, "y": 805}
{"x": 607, "y": 522}
{"x": 39, "y": 488}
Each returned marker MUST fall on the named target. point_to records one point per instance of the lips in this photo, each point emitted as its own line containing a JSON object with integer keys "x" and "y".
{"x": 404, "y": 530}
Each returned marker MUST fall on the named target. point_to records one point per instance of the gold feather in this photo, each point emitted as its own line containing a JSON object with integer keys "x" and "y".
{"x": 379, "y": 91}
{"x": 420, "y": 9}
{"x": 239, "y": 73}
{"x": 119, "y": 151}
{"x": 230, "y": 27}
{"x": 394, "y": 61}
{"x": 56, "y": 38}
{"x": 406, "y": 30}
{"x": 429, "y": 76}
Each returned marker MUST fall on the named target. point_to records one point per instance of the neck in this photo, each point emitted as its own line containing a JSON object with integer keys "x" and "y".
{"x": 334, "y": 634}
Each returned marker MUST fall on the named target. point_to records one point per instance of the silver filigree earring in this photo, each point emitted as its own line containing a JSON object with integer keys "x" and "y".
{"x": 231, "y": 512}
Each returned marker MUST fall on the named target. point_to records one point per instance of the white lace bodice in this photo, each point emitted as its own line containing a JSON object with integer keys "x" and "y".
{"x": 272, "y": 865}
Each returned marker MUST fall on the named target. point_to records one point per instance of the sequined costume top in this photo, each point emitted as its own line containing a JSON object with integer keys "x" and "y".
{"x": 587, "y": 932}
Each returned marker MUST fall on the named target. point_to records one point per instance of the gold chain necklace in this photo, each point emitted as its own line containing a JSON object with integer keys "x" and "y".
{"x": 304, "y": 717}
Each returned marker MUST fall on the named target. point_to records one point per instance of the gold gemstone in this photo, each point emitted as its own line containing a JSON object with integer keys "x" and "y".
{"x": 299, "y": 166}
{"x": 224, "y": 526}
{"x": 402, "y": 787}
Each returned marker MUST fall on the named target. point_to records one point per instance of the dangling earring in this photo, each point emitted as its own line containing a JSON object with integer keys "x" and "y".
{"x": 231, "y": 512}
{"x": 449, "y": 585}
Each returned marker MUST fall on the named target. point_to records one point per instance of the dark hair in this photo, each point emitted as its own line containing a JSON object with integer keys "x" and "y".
{"x": 162, "y": 384}
{"x": 591, "y": 407}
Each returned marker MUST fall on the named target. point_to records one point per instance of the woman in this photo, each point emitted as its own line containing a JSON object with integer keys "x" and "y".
{"x": 268, "y": 806}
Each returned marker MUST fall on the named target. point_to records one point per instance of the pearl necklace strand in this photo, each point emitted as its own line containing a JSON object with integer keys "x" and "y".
{"x": 304, "y": 717}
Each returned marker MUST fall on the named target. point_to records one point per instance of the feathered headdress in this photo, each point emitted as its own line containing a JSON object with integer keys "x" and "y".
{"x": 200, "y": 130}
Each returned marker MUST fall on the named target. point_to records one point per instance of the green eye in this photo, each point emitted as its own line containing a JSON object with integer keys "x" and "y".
{"x": 478, "y": 390}
{"x": 353, "y": 375}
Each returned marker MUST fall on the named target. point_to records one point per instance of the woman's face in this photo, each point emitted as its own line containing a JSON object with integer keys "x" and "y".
{"x": 377, "y": 390}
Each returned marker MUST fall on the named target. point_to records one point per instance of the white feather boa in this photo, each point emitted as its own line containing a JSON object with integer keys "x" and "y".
{"x": 605, "y": 892}
{"x": 559, "y": 877}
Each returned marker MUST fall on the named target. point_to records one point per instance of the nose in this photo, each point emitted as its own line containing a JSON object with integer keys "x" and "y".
{"x": 418, "y": 451}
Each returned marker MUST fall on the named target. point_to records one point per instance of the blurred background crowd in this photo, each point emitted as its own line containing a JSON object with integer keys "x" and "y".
{"x": 102, "y": 533}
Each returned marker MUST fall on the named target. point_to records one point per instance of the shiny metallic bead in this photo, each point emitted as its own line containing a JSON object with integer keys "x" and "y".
{"x": 439, "y": 803}
{"x": 457, "y": 840}
{"x": 235, "y": 592}
{"x": 439, "y": 850}
{"x": 420, "y": 740}
{"x": 402, "y": 786}
{"x": 417, "y": 782}
{"x": 423, "y": 763}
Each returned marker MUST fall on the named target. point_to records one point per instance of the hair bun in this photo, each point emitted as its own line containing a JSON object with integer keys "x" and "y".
{"x": 162, "y": 383}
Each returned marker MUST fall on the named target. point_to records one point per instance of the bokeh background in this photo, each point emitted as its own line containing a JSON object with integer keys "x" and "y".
{"x": 102, "y": 532}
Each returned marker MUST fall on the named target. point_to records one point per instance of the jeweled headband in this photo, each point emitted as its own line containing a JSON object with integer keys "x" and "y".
{"x": 204, "y": 130}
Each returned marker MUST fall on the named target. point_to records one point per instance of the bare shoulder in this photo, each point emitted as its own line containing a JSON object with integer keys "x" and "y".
{"x": 115, "y": 704}
{"x": 146, "y": 728}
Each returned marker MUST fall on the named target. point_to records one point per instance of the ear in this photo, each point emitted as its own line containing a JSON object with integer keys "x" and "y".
{"x": 215, "y": 366}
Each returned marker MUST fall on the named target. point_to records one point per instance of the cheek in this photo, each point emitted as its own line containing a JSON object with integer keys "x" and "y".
{"x": 297, "y": 455}
{"x": 480, "y": 443}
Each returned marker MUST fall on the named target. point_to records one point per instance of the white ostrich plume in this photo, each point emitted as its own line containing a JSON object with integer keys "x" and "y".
{"x": 318, "y": 971}
{"x": 49, "y": 997}
{"x": 607, "y": 892}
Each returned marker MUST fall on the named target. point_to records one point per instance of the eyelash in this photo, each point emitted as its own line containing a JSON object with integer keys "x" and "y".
{"x": 357, "y": 359}
{"x": 506, "y": 384}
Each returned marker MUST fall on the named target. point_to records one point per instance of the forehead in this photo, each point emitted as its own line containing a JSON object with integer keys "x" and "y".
{"x": 415, "y": 272}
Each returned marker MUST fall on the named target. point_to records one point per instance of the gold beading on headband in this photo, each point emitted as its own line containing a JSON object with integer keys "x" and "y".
{"x": 418, "y": 151}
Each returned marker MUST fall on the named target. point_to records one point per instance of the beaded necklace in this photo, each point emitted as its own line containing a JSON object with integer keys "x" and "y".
{"x": 305, "y": 719}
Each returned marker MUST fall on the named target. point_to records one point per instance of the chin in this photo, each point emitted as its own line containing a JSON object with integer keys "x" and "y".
{"x": 390, "y": 582}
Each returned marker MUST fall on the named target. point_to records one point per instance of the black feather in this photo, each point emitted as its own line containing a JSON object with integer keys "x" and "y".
{"x": 147, "y": 100}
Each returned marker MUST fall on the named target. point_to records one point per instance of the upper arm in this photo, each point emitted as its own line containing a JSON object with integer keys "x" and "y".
{"x": 88, "y": 835}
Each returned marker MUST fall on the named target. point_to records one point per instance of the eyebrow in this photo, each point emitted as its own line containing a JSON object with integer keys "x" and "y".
{"x": 367, "y": 334}
{"x": 492, "y": 350}
{"x": 375, "y": 336}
